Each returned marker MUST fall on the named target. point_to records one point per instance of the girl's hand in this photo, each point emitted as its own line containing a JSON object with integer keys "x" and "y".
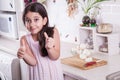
{"x": 22, "y": 50}
{"x": 49, "y": 41}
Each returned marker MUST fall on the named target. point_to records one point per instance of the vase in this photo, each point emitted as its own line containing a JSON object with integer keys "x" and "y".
{"x": 93, "y": 22}
{"x": 86, "y": 20}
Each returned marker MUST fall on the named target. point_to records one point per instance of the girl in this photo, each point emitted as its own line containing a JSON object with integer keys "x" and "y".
{"x": 41, "y": 48}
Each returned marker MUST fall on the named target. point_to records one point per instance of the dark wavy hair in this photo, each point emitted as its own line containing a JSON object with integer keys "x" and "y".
{"x": 39, "y": 8}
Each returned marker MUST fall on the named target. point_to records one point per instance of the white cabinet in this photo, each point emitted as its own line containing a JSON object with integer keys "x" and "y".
{"x": 7, "y": 5}
{"x": 68, "y": 76}
{"x": 101, "y": 43}
{"x": 13, "y": 7}
{"x": 87, "y": 35}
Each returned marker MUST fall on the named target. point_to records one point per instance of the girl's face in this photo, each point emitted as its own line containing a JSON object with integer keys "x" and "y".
{"x": 34, "y": 22}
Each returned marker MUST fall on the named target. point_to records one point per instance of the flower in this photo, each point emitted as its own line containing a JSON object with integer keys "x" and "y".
{"x": 41, "y": 1}
{"x": 72, "y": 7}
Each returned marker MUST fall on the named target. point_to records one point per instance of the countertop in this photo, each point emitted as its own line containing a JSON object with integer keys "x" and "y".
{"x": 98, "y": 73}
{"x": 9, "y": 45}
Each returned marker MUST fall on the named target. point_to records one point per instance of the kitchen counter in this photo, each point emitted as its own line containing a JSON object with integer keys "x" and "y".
{"x": 9, "y": 45}
{"x": 98, "y": 73}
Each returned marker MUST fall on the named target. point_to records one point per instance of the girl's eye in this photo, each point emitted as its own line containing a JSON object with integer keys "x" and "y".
{"x": 36, "y": 20}
{"x": 28, "y": 21}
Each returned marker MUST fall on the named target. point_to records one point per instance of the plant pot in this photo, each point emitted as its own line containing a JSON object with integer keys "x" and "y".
{"x": 93, "y": 22}
{"x": 86, "y": 20}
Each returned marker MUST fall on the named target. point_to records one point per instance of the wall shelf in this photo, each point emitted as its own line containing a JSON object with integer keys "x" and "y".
{"x": 102, "y": 43}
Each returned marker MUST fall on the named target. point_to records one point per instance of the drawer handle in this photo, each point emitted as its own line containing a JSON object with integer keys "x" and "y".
{"x": 11, "y": 5}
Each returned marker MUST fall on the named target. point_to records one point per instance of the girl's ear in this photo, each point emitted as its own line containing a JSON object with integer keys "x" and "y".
{"x": 44, "y": 20}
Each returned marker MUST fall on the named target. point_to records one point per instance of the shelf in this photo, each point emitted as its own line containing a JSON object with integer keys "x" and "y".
{"x": 106, "y": 35}
{"x": 109, "y": 43}
{"x": 87, "y": 28}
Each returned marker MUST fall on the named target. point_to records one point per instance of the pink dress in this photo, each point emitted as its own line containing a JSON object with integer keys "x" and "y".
{"x": 46, "y": 69}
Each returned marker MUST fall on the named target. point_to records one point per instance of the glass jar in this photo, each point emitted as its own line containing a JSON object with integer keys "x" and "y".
{"x": 104, "y": 28}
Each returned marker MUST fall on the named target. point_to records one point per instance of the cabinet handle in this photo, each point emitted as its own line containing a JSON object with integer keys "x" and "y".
{"x": 11, "y": 5}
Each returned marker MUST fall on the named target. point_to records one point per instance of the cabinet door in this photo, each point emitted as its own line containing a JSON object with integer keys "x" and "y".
{"x": 112, "y": 45}
{"x": 87, "y": 36}
{"x": 66, "y": 77}
{"x": 7, "y": 5}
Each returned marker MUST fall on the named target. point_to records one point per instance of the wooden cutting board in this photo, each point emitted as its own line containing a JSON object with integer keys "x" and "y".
{"x": 75, "y": 61}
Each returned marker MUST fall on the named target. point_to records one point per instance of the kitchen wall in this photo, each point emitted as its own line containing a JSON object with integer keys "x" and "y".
{"x": 69, "y": 26}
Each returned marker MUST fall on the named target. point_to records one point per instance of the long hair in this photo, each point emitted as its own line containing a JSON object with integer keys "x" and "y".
{"x": 39, "y": 8}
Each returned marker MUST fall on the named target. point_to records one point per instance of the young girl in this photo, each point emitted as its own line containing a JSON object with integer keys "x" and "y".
{"x": 41, "y": 48}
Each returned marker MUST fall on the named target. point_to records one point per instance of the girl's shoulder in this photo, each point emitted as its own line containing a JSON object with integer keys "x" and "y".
{"x": 24, "y": 37}
{"x": 55, "y": 29}
{"x": 56, "y": 32}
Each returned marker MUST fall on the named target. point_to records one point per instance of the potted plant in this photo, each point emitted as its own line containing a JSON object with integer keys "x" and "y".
{"x": 87, "y": 6}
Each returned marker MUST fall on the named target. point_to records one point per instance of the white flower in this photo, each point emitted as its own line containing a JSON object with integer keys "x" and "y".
{"x": 89, "y": 59}
{"x": 86, "y": 52}
{"x": 82, "y": 56}
{"x": 83, "y": 46}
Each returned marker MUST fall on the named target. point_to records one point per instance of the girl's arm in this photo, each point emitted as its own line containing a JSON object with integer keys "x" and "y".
{"x": 26, "y": 53}
{"x": 53, "y": 45}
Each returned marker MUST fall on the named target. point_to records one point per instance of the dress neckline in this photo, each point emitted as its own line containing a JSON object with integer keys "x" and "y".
{"x": 33, "y": 39}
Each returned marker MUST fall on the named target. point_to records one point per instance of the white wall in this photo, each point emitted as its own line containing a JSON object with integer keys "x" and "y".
{"x": 110, "y": 13}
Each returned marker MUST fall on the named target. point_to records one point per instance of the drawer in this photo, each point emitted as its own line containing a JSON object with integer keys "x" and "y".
{"x": 113, "y": 76}
{"x": 7, "y": 5}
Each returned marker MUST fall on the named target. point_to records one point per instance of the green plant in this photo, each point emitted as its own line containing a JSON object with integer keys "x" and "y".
{"x": 41, "y": 1}
{"x": 87, "y": 5}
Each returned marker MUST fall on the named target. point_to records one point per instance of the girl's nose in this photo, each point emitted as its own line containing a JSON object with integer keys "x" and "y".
{"x": 32, "y": 23}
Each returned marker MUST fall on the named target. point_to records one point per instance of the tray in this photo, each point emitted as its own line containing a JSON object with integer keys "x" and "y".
{"x": 75, "y": 61}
